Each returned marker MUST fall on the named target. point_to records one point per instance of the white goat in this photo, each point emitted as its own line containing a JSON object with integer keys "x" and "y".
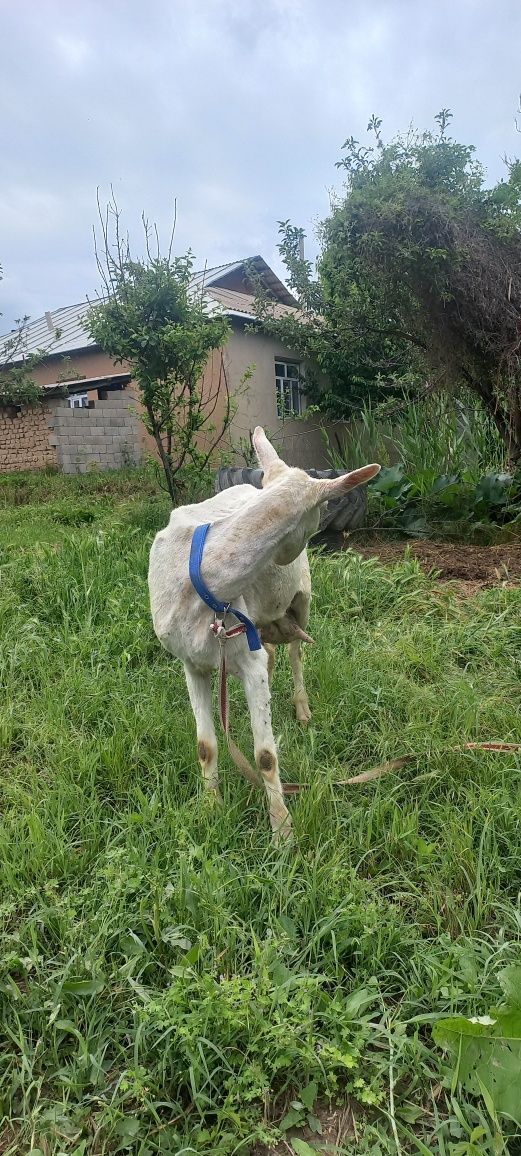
{"x": 254, "y": 559}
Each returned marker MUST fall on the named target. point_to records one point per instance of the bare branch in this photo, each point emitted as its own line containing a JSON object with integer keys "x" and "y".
{"x": 172, "y": 232}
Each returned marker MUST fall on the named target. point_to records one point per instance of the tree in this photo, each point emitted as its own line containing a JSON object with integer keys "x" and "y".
{"x": 349, "y": 358}
{"x": 419, "y": 277}
{"x": 16, "y": 384}
{"x": 150, "y": 317}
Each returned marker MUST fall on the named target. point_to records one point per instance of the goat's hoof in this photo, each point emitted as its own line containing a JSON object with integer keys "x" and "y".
{"x": 283, "y": 836}
{"x": 302, "y": 711}
{"x": 212, "y": 797}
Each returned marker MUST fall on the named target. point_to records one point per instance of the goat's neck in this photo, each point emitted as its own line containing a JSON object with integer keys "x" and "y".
{"x": 241, "y": 545}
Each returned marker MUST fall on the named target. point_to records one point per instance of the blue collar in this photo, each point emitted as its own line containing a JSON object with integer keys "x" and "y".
{"x": 196, "y": 557}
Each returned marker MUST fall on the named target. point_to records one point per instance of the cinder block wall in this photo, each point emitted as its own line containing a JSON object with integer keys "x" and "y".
{"x": 105, "y": 436}
{"x": 24, "y": 438}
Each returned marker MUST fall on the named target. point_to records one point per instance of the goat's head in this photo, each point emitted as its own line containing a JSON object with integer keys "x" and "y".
{"x": 303, "y": 493}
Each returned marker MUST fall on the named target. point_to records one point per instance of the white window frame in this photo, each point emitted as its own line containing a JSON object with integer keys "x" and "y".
{"x": 288, "y": 388}
{"x": 78, "y": 401}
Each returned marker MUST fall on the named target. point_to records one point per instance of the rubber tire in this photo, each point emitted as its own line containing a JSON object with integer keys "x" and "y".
{"x": 346, "y": 513}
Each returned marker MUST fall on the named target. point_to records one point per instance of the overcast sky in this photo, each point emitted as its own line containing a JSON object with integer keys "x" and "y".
{"x": 237, "y": 108}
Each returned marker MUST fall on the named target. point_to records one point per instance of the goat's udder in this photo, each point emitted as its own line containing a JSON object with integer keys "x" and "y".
{"x": 284, "y": 630}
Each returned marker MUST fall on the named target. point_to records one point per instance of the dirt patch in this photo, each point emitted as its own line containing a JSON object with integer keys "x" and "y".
{"x": 338, "y": 1125}
{"x": 474, "y": 566}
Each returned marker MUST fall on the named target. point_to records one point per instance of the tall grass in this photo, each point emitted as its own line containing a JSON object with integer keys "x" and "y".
{"x": 437, "y": 434}
{"x": 169, "y": 982}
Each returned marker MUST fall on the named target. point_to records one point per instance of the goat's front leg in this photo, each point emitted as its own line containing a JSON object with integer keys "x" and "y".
{"x": 200, "y": 692}
{"x": 253, "y": 673}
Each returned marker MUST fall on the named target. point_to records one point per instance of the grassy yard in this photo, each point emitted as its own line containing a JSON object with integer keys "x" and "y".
{"x": 168, "y": 981}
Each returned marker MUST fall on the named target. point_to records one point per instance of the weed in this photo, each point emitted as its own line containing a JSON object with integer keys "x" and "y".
{"x": 443, "y": 470}
{"x": 437, "y": 434}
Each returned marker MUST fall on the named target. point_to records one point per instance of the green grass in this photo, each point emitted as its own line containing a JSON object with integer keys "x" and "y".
{"x": 50, "y": 485}
{"x": 169, "y": 982}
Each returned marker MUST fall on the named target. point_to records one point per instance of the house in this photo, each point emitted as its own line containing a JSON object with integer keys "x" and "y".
{"x": 97, "y": 423}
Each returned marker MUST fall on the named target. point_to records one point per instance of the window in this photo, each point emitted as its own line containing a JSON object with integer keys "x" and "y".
{"x": 287, "y": 385}
{"x": 79, "y": 401}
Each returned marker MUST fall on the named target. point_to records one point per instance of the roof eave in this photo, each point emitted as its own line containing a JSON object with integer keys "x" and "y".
{"x": 273, "y": 282}
{"x": 80, "y": 385}
{"x": 241, "y": 316}
{"x": 90, "y": 348}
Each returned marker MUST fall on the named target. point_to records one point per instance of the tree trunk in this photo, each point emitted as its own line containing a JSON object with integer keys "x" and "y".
{"x": 506, "y": 421}
{"x": 515, "y": 429}
{"x": 165, "y": 459}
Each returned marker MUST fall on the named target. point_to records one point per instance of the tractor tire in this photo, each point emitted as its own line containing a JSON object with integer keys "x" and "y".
{"x": 343, "y": 514}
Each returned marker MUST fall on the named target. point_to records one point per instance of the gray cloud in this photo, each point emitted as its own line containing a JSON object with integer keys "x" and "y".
{"x": 236, "y": 108}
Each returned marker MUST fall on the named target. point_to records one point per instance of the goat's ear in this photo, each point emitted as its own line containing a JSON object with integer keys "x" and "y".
{"x": 266, "y": 454}
{"x": 336, "y": 487}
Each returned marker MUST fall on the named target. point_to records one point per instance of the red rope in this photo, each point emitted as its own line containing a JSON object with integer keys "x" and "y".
{"x": 241, "y": 762}
{"x": 218, "y": 628}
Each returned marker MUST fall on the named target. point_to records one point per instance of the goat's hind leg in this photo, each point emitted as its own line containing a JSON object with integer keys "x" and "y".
{"x": 271, "y": 651}
{"x": 300, "y": 697}
{"x": 200, "y": 692}
{"x": 300, "y": 608}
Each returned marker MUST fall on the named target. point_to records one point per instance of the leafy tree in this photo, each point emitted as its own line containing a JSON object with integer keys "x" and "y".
{"x": 419, "y": 277}
{"x": 350, "y": 359}
{"x": 150, "y": 318}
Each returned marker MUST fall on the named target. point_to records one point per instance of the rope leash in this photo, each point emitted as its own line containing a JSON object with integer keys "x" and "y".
{"x": 245, "y": 626}
{"x": 397, "y": 764}
{"x": 241, "y": 762}
{"x": 222, "y": 634}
